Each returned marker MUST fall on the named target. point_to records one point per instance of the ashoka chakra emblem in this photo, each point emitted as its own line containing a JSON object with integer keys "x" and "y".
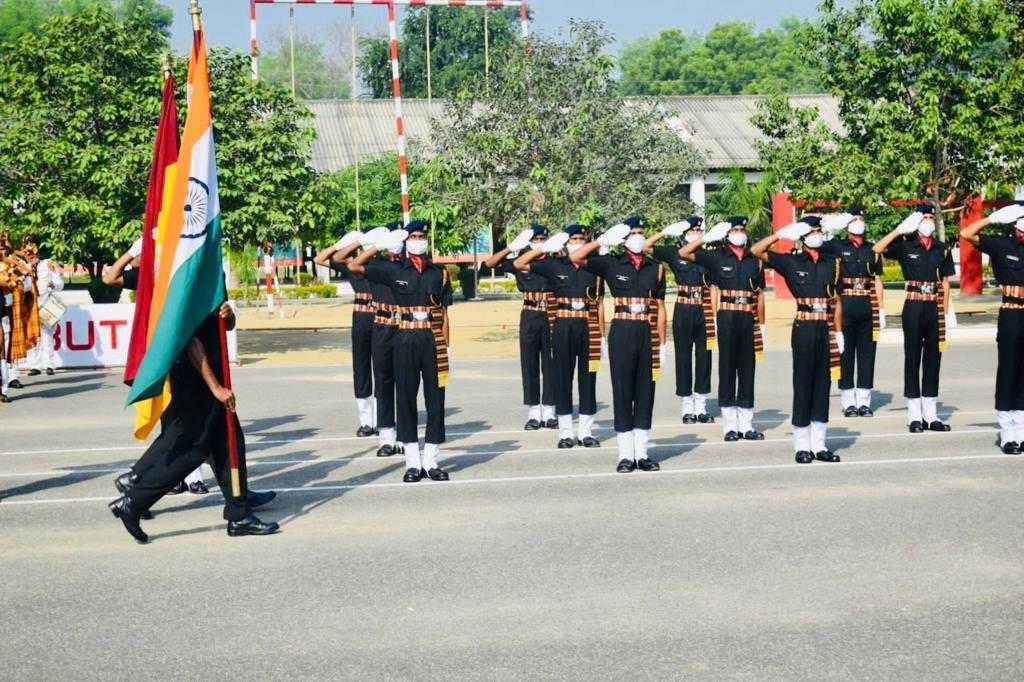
{"x": 197, "y": 203}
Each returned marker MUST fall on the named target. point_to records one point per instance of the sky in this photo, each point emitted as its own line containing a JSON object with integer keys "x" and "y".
{"x": 227, "y": 21}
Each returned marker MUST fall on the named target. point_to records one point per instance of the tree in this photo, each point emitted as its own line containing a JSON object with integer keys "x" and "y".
{"x": 554, "y": 142}
{"x": 79, "y": 100}
{"x": 24, "y": 16}
{"x": 317, "y": 76}
{"x": 736, "y": 196}
{"x": 456, "y": 55}
{"x": 731, "y": 59}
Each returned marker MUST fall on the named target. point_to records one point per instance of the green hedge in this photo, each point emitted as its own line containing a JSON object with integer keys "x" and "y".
{"x": 311, "y": 291}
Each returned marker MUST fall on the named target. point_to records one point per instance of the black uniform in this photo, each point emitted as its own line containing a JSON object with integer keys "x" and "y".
{"x": 921, "y": 353}
{"x": 1007, "y": 258}
{"x": 362, "y": 333}
{"x": 385, "y": 327}
{"x": 534, "y": 337}
{"x": 858, "y": 266}
{"x": 415, "y": 350}
{"x": 688, "y": 332}
{"x": 810, "y": 338}
{"x": 571, "y": 336}
{"x": 735, "y": 331}
{"x": 192, "y": 427}
{"x": 629, "y": 341}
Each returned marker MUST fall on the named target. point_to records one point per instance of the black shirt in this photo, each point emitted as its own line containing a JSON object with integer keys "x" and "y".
{"x": 686, "y": 272}
{"x": 919, "y": 263}
{"x": 854, "y": 261}
{"x": 1007, "y": 258}
{"x": 130, "y": 279}
{"x": 409, "y": 286}
{"x": 726, "y": 271}
{"x": 565, "y": 279}
{"x": 191, "y": 394}
{"x": 525, "y": 281}
{"x": 625, "y": 280}
{"x": 359, "y": 283}
{"x": 806, "y": 279}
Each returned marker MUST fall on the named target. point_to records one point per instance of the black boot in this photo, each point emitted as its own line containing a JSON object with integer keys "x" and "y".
{"x": 251, "y": 525}
{"x": 123, "y": 509}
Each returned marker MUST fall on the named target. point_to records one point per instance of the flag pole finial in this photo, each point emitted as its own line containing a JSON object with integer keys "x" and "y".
{"x": 196, "y": 12}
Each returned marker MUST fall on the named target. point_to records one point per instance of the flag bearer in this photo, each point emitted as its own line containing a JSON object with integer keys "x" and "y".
{"x": 637, "y": 335}
{"x": 927, "y": 266}
{"x": 577, "y": 331}
{"x": 739, "y": 277}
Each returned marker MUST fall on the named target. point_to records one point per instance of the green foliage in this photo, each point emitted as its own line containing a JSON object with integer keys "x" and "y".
{"x": 304, "y": 291}
{"x": 317, "y": 75}
{"x": 24, "y": 16}
{"x": 552, "y": 140}
{"x": 245, "y": 294}
{"x": 456, "y": 51}
{"x": 731, "y": 59}
{"x": 735, "y": 196}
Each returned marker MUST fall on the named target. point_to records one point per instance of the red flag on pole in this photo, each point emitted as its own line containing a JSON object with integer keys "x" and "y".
{"x": 165, "y": 153}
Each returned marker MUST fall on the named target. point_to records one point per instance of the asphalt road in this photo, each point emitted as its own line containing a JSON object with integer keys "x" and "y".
{"x": 733, "y": 561}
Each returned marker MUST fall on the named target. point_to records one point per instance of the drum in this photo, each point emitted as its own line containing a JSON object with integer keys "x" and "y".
{"x": 51, "y": 311}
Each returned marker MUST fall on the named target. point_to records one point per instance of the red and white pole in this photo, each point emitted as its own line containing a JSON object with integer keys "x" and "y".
{"x": 254, "y": 51}
{"x": 396, "y": 84}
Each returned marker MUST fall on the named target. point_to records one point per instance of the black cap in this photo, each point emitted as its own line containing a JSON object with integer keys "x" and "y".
{"x": 394, "y": 225}
{"x": 926, "y": 209}
{"x": 416, "y": 226}
{"x": 737, "y": 220}
{"x": 695, "y": 221}
{"x": 634, "y": 221}
{"x": 812, "y": 220}
{"x": 539, "y": 230}
{"x": 575, "y": 229}
{"x": 856, "y": 210}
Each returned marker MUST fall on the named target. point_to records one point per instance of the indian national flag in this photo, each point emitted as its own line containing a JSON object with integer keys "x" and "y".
{"x": 188, "y": 281}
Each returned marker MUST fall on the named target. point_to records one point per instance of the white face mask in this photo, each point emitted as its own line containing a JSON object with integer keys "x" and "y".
{"x": 692, "y": 236}
{"x": 814, "y": 240}
{"x": 635, "y": 243}
{"x": 416, "y": 247}
{"x": 856, "y": 227}
{"x": 737, "y": 238}
{"x": 926, "y": 228}
{"x": 537, "y": 243}
{"x": 1020, "y": 225}
{"x": 573, "y": 248}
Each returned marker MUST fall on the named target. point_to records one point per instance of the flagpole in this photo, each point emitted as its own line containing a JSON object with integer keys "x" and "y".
{"x": 225, "y": 362}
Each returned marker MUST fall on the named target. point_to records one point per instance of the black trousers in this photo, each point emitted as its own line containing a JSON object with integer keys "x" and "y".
{"x": 187, "y": 437}
{"x": 735, "y": 359}
{"x": 1010, "y": 369}
{"x": 811, "y": 372}
{"x": 860, "y": 347}
{"x": 535, "y": 357}
{"x": 571, "y": 346}
{"x": 384, "y": 374}
{"x": 362, "y": 353}
{"x": 416, "y": 358}
{"x": 691, "y": 346}
{"x": 629, "y": 351}
{"x": 921, "y": 356}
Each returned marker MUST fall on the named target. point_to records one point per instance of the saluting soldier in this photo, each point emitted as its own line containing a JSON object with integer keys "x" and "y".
{"x": 739, "y": 277}
{"x": 534, "y": 330}
{"x": 577, "y": 332}
{"x": 636, "y": 337}
{"x": 860, "y": 287}
{"x": 813, "y": 277}
{"x": 363, "y": 312}
{"x": 927, "y": 265}
{"x": 422, "y": 293}
{"x": 1007, "y": 258}
{"x": 693, "y": 322}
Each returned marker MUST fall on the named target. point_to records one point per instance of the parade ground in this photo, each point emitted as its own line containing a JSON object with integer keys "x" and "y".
{"x": 733, "y": 561}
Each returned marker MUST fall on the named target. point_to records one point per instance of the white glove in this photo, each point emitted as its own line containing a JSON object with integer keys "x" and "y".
{"x": 793, "y": 232}
{"x": 392, "y": 241}
{"x": 348, "y": 239}
{"x": 950, "y": 318}
{"x": 663, "y": 354}
{"x": 1007, "y": 214}
{"x": 881, "y": 318}
{"x": 833, "y": 222}
{"x": 676, "y": 229}
{"x": 840, "y": 342}
{"x": 604, "y": 348}
{"x": 717, "y": 233}
{"x": 521, "y": 241}
{"x": 764, "y": 334}
{"x": 603, "y": 251}
{"x": 136, "y": 248}
{"x": 614, "y": 236}
{"x": 372, "y": 237}
{"x": 910, "y": 223}
{"x": 555, "y": 243}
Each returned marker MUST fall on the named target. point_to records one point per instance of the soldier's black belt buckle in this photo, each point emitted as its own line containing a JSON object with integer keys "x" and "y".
{"x": 742, "y": 300}
{"x": 859, "y": 286}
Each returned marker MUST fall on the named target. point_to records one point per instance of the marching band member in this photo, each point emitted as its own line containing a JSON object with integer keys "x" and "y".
{"x": 636, "y": 338}
{"x": 577, "y": 331}
{"x": 812, "y": 276}
{"x": 1007, "y": 258}
{"x": 740, "y": 320}
{"x": 535, "y": 357}
{"x": 693, "y": 321}
{"x": 927, "y": 266}
{"x": 423, "y": 293}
